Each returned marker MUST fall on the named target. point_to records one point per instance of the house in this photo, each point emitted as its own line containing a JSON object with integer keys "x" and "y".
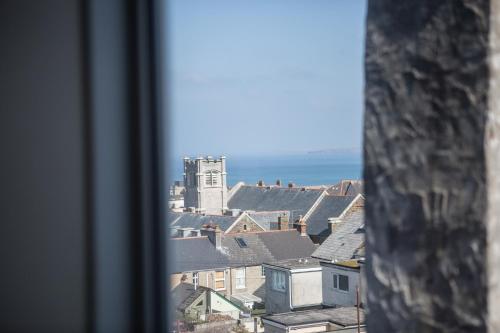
{"x": 293, "y": 284}
{"x": 187, "y": 224}
{"x": 199, "y": 303}
{"x": 231, "y": 264}
{"x": 344, "y": 320}
{"x": 346, "y": 238}
{"x": 330, "y": 208}
{"x": 297, "y": 201}
{"x": 341, "y": 283}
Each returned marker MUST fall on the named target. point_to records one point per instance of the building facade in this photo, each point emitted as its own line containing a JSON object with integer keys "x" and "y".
{"x": 205, "y": 184}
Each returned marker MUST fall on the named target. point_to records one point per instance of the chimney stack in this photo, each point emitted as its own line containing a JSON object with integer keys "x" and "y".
{"x": 278, "y": 182}
{"x": 283, "y": 222}
{"x": 302, "y": 226}
{"x": 260, "y": 183}
{"x": 333, "y": 222}
{"x": 214, "y": 234}
{"x": 290, "y": 185}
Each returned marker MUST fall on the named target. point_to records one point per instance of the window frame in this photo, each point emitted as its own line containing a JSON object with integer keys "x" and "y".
{"x": 336, "y": 282}
{"x": 238, "y": 279}
{"x": 275, "y": 284}
{"x": 195, "y": 278}
{"x": 223, "y": 279}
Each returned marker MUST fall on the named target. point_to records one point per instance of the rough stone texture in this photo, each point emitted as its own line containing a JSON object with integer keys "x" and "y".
{"x": 493, "y": 175}
{"x": 425, "y": 167}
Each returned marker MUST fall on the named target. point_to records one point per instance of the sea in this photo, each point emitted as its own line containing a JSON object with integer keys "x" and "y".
{"x": 301, "y": 169}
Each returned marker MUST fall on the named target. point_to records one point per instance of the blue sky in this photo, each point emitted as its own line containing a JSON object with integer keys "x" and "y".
{"x": 265, "y": 76}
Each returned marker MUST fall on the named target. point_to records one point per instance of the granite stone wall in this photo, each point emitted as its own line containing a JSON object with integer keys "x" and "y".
{"x": 426, "y": 114}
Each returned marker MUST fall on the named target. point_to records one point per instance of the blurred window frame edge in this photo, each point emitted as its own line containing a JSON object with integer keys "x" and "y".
{"x": 124, "y": 72}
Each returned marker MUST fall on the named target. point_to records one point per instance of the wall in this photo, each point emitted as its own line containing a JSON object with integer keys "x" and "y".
{"x": 276, "y": 301}
{"x": 251, "y": 226}
{"x": 254, "y": 282}
{"x": 306, "y": 289}
{"x": 335, "y": 297}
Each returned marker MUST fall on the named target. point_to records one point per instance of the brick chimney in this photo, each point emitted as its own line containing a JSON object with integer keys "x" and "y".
{"x": 302, "y": 227}
{"x": 260, "y": 183}
{"x": 214, "y": 234}
{"x": 283, "y": 222}
{"x": 278, "y": 182}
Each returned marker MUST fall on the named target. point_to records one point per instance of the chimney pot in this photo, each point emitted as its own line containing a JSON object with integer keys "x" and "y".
{"x": 302, "y": 227}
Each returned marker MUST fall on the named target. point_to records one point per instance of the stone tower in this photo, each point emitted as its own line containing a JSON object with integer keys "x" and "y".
{"x": 205, "y": 183}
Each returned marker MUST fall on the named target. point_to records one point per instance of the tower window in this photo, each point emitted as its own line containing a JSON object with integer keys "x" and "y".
{"x": 212, "y": 178}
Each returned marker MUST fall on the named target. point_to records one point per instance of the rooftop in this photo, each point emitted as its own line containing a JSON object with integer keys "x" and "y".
{"x": 344, "y": 316}
{"x": 330, "y": 206}
{"x": 199, "y": 253}
{"x": 345, "y": 241}
{"x": 261, "y": 198}
{"x": 196, "y": 221}
{"x": 301, "y": 263}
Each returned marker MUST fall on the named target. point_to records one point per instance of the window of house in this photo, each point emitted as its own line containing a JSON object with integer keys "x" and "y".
{"x": 195, "y": 279}
{"x": 220, "y": 280}
{"x": 240, "y": 278}
{"x": 341, "y": 282}
{"x": 263, "y": 271}
{"x": 278, "y": 281}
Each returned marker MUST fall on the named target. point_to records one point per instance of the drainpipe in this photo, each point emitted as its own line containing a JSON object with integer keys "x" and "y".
{"x": 290, "y": 290}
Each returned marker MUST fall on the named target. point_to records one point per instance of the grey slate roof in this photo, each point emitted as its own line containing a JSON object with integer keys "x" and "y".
{"x": 297, "y": 263}
{"x": 330, "y": 206}
{"x": 195, "y": 254}
{"x": 346, "y": 240}
{"x": 184, "y": 294}
{"x": 275, "y": 198}
{"x": 196, "y": 221}
{"x": 268, "y": 220}
{"x": 344, "y": 316}
{"x": 347, "y": 187}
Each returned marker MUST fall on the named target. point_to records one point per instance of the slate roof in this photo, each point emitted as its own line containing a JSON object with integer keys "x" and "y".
{"x": 198, "y": 253}
{"x": 268, "y": 220}
{"x": 347, "y": 187}
{"x": 343, "y": 316}
{"x": 297, "y": 263}
{"x": 184, "y": 294}
{"x": 330, "y": 206}
{"x": 196, "y": 221}
{"x": 346, "y": 240}
{"x": 275, "y": 198}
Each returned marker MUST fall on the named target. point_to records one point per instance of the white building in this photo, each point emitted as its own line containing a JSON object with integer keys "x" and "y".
{"x": 341, "y": 281}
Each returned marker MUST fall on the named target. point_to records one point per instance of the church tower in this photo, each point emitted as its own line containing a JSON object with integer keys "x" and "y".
{"x": 205, "y": 184}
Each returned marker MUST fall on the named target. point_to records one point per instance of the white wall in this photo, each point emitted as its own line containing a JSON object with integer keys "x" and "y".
{"x": 335, "y": 297}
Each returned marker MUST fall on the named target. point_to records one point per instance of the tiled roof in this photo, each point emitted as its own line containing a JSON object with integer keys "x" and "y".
{"x": 344, "y": 242}
{"x": 275, "y": 198}
{"x": 330, "y": 206}
{"x": 196, "y": 221}
{"x": 195, "y": 254}
{"x": 344, "y": 316}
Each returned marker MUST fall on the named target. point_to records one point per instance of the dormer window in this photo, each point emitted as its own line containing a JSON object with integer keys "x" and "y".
{"x": 212, "y": 178}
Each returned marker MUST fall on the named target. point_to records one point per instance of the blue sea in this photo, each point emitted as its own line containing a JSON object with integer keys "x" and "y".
{"x": 301, "y": 169}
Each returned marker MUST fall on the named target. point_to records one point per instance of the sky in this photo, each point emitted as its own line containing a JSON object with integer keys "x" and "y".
{"x": 251, "y": 77}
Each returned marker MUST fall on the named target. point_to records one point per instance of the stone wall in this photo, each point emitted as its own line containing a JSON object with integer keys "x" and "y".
{"x": 426, "y": 110}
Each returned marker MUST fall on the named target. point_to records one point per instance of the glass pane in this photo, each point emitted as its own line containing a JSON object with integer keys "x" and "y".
{"x": 343, "y": 282}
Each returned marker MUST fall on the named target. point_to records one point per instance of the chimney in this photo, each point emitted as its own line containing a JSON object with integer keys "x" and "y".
{"x": 302, "y": 227}
{"x": 283, "y": 222}
{"x": 260, "y": 183}
{"x": 214, "y": 234}
{"x": 333, "y": 222}
{"x": 290, "y": 185}
{"x": 278, "y": 182}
